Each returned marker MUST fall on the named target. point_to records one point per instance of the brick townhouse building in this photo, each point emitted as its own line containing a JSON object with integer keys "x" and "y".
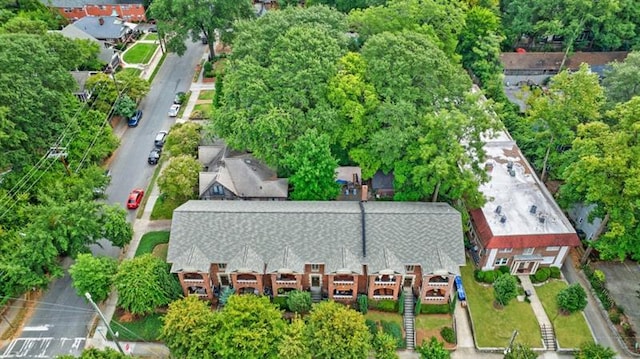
{"x": 72, "y": 10}
{"x": 334, "y": 249}
{"x": 521, "y": 225}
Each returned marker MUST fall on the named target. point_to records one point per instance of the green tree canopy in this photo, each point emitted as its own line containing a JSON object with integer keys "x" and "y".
{"x": 520, "y": 351}
{"x": 572, "y": 298}
{"x": 248, "y": 327}
{"x": 595, "y": 351}
{"x": 293, "y": 345}
{"x": 93, "y": 275}
{"x": 144, "y": 284}
{"x": 299, "y": 301}
{"x": 188, "y": 328}
{"x": 433, "y": 349}
{"x": 622, "y": 80}
{"x": 179, "y": 179}
{"x": 335, "y": 331}
{"x": 505, "y": 289}
{"x": 183, "y": 139}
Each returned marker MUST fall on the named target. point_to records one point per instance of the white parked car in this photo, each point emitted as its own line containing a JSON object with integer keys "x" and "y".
{"x": 173, "y": 110}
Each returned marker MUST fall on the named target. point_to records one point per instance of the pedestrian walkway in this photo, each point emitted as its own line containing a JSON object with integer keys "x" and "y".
{"x": 546, "y": 328}
{"x": 464, "y": 334}
{"x": 195, "y": 89}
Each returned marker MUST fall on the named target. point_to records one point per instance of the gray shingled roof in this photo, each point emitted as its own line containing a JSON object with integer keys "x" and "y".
{"x": 73, "y": 32}
{"x": 111, "y": 28}
{"x": 285, "y": 262}
{"x": 429, "y": 234}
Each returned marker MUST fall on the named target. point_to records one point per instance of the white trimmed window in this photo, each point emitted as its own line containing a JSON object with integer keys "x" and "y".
{"x": 222, "y": 266}
{"x": 315, "y": 267}
{"x": 505, "y": 250}
{"x": 553, "y": 249}
{"x": 502, "y": 261}
{"x": 409, "y": 268}
{"x": 528, "y": 251}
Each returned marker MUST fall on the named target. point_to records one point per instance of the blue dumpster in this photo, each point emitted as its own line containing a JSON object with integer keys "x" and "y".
{"x": 461, "y": 294}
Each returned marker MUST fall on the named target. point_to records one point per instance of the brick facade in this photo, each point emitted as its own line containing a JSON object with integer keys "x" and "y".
{"x": 127, "y": 12}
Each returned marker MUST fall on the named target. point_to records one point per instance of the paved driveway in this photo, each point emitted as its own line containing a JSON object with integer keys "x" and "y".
{"x": 623, "y": 282}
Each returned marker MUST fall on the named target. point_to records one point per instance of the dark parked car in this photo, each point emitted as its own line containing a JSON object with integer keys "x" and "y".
{"x": 160, "y": 138}
{"x": 135, "y": 119}
{"x": 154, "y": 156}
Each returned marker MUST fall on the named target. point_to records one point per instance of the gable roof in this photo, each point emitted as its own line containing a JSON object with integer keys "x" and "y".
{"x": 552, "y": 60}
{"x": 111, "y": 28}
{"x": 381, "y": 180}
{"x": 519, "y": 212}
{"x": 82, "y": 3}
{"x": 73, "y": 32}
{"x": 329, "y": 233}
{"x": 81, "y": 78}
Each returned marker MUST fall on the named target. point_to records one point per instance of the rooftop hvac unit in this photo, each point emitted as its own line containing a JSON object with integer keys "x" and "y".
{"x": 503, "y": 219}
{"x": 533, "y": 209}
{"x": 498, "y": 209}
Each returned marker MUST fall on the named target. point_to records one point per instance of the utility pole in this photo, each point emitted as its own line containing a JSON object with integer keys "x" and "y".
{"x": 513, "y": 337}
{"x": 61, "y": 153}
{"x": 95, "y": 306}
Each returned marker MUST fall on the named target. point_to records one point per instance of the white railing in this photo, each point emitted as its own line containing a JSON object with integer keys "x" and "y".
{"x": 375, "y": 296}
{"x": 385, "y": 282}
{"x": 342, "y": 296}
{"x": 194, "y": 280}
{"x": 342, "y": 282}
{"x": 438, "y": 284}
{"x": 287, "y": 281}
{"x": 434, "y": 299}
{"x": 200, "y": 295}
{"x": 247, "y": 281}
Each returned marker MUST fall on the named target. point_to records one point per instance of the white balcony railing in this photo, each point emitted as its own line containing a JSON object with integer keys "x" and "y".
{"x": 247, "y": 281}
{"x": 342, "y": 296}
{"x": 194, "y": 281}
{"x": 287, "y": 281}
{"x": 375, "y": 296}
{"x": 438, "y": 284}
{"x": 434, "y": 299}
{"x": 200, "y": 295}
{"x": 385, "y": 283}
{"x": 342, "y": 282}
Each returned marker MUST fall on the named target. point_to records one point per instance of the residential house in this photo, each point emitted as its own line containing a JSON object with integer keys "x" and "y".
{"x": 334, "y": 249}
{"x": 238, "y": 176}
{"x": 579, "y": 213}
{"x": 350, "y": 180}
{"x": 128, "y": 10}
{"x": 110, "y": 29}
{"x": 107, "y": 54}
{"x": 521, "y": 225}
{"x": 83, "y": 94}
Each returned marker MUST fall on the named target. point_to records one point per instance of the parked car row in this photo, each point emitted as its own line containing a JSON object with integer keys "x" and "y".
{"x": 156, "y": 152}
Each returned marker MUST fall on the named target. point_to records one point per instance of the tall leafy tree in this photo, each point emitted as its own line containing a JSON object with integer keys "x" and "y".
{"x": 144, "y": 284}
{"x": 433, "y": 349}
{"x": 505, "y": 288}
{"x": 622, "y": 80}
{"x": 604, "y": 171}
{"x": 249, "y": 327}
{"x": 293, "y": 345}
{"x": 313, "y": 168}
{"x": 188, "y": 328}
{"x": 178, "y": 181}
{"x": 183, "y": 139}
{"x": 183, "y": 19}
{"x": 335, "y": 331}
{"x": 93, "y": 275}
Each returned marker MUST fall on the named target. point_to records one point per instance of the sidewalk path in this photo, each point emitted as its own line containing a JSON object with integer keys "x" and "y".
{"x": 536, "y": 305}
{"x": 195, "y": 89}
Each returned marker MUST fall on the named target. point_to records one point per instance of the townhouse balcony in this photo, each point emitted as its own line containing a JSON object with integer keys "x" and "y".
{"x": 385, "y": 282}
{"x": 343, "y": 282}
{"x": 343, "y": 296}
{"x": 200, "y": 295}
{"x": 194, "y": 281}
{"x": 438, "y": 284}
{"x": 378, "y": 297}
{"x": 247, "y": 281}
{"x": 286, "y": 281}
{"x": 434, "y": 298}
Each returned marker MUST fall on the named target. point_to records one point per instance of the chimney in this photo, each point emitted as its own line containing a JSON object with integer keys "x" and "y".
{"x": 365, "y": 193}
{"x": 101, "y": 21}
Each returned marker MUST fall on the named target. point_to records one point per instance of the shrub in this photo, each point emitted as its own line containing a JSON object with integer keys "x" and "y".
{"x": 504, "y": 269}
{"x": 387, "y": 305}
{"x": 372, "y": 325}
{"x": 477, "y": 275}
{"x": 572, "y": 299}
{"x": 614, "y": 317}
{"x": 395, "y": 330}
{"x": 593, "y": 350}
{"x": 363, "y": 305}
{"x": 505, "y": 289}
{"x": 554, "y": 272}
{"x": 299, "y": 301}
{"x": 281, "y": 302}
{"x": 490, "y": 276}
{"x": 448, "y": 334}
{"x": 541, "y": 275}
{"x": 418, "y": 307}
{"x": 435, "y": 308}
{"x": 224, "y": 296}
{"x": 401, "y": 303}
{"x": 599, "y": 275}
{"x": 208, "y": 69}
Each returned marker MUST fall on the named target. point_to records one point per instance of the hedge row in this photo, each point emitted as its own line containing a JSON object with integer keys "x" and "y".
{"x": 384, "y": 305}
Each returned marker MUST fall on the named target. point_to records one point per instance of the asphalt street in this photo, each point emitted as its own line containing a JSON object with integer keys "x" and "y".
{"x": 60, "y": 321}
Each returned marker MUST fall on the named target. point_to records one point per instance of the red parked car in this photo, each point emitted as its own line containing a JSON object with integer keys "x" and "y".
{"x": 135, "y": 197}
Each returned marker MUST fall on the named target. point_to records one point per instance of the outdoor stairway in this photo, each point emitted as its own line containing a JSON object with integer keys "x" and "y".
{"x": 316, "y": 295}
{"x": 409, "y": 319}
{"x": 548, "y": 337}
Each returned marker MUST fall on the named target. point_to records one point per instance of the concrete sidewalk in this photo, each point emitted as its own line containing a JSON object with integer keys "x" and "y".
{"x": 536, "y": 305}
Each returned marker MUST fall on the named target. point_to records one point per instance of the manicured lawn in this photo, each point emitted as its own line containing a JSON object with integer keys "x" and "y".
{"x": 150, "y": 240}
{"x": 493, "y": 327}
{"x": 151, "y": 36}
{"x": 132, "y": 70}
{"x": 140, "y": 53}
{"x": 205, "y": 108}
{"x": 206, "y": 95}
{"x": 147, "y": 328}
{"x": 571, "y": 330}
{"x": 377, "y": 316}
{"x": 163, "y": 209}
{"x": 433, "y": 321}
{"x": 161, "y": 250}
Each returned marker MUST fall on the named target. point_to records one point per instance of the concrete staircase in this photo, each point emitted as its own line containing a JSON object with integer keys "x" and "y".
{"x": 548, "y": 337}
{"x": 409, "y": 319}
{"x": 316, "y": 294}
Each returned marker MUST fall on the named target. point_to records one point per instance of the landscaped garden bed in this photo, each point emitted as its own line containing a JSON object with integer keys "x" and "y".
{"x": 493, "y": 327}
{"x": 150, "y": 242}
{"x": 430, "y": 325}
{"x": 388, "y": 322}
{"x": 129, "y": 328}
{"x": 571, "y": 330}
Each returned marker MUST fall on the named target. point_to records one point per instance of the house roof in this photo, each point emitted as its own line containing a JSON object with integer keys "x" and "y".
{"x": 243, "y": 175}
{"x": 346, "y": 174}
{"x": 111, "y": 28}
{"x": 552, "y": 60}
{"x": 74, "y": 32}
{"x": 382, "y": 181}
{"x": 285, "y": 261}
{"x": 82, "y": 3}
{"x": 81, "y": 78}
{"x": 519, "y": 210}
{"x": 330, "y": 233}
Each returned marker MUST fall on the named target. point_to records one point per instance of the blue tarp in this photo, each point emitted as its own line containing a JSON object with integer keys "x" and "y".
{"x": 461, "y": 294}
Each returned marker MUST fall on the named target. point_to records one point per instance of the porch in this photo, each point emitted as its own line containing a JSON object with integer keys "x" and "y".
{"x": 525, "y": 264}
